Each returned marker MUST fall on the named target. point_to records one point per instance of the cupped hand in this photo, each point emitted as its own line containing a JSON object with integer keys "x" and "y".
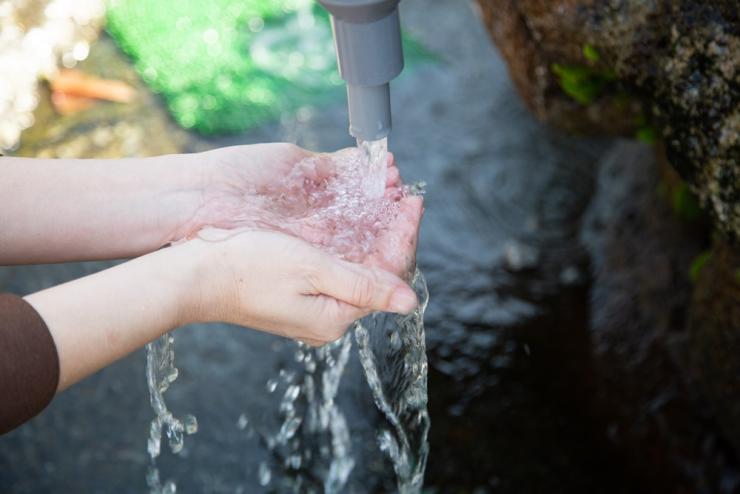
{"x": 238, "y": 177}
{"x": 237, "y": 195}
{"x": 393, "y": 246}
{"x": 281, "y": 284}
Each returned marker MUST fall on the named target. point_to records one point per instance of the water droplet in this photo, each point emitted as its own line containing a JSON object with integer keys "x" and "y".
{"x": 155, "y": 439}
{"x": 395, "y": 341}
{"x": 287, "y": 376}
{"x": 294, "y": 462}
{"x": 191, "y": 424}
{"x": 264, "y": 474}
{"x": 152, "y": 478}
{"x": 175, "y": 439}
{"x": 292, "y": 393}
{"x": 310, "y": 365}
{"x": 172, "y": 375}
{"x": 242, "y": 422}
{"x": 288, "y": 429}
{"x": 271, "y": 385}
{"x": 169, "y": 488}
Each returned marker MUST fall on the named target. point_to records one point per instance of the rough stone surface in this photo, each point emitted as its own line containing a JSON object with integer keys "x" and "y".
{"x": 680, "y": 58}
{"x": 714, "y": 340}
{"x": 641, "y": 253}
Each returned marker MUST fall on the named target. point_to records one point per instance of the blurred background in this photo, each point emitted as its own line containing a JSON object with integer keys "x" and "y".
{"x": 579, "y": 242}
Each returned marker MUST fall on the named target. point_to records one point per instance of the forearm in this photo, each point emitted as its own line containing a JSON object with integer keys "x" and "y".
{"x": 64, "y": 210}
{"x": 99, "y": 319}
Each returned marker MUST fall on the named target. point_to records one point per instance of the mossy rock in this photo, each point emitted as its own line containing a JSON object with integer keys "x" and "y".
{"x": 664, "y": 70}
{"x": 714, "y": 337}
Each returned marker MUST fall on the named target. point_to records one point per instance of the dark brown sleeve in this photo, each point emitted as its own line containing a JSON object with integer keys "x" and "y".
{"x": 29, "y": 364}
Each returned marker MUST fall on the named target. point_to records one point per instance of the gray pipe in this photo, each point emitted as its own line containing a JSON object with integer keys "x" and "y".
{"x": 367, "y": 37}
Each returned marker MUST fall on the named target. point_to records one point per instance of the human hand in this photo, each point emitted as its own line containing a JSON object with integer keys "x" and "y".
{"x": 394, "y": 248}
{"x": 280, "y": 284}
{"x": 235, "y": 177}
{"x": 249, "y": 180}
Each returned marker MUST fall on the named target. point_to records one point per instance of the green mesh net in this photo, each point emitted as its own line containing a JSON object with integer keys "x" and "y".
{"x": 230, "y": 65}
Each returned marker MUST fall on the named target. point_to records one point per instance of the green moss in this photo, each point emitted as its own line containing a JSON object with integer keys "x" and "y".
{"x": 647, "y": 134}
{"x": 685, "y": 204}
{"x": 640, "y": 119}
{"x": 583, "y": 84}
{"x": 591, "y": 53}
{"x": 622, "y": 99}
{"x": 698, "y": 264}
{"x": 662, "y": 190}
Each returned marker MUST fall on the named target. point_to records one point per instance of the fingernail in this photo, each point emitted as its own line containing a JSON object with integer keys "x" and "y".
{"x": 403, "y": 301}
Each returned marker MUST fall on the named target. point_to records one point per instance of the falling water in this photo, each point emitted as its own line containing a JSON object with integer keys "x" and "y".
{"x": 312, "y": 443}
{"x": 375, "y": 157}
{"x": 160, "y": 374}
{"x": 312, "y": 438}
{"x": 393, "y": 355}
{"x": 392, "y": 351}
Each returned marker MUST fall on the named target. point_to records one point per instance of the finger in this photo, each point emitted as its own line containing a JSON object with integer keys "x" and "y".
{"x": 412, "y": 208}
{"x": 392, "y": 177}
{"x": 393, "y": 194}
{"x": 331, "y": 318}
{"x": 365, "y": 287}
{"x": 395, "y": 248}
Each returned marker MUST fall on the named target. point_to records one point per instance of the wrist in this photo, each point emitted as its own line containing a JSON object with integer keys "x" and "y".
{"x": 186, "y": 178}
{"x": 189, "y": 269}
{"x": 222, "y": 191}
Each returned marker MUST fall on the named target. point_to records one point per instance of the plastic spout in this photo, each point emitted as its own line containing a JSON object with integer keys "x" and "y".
{"x": 367, "y": 37}
{"x": 369, "y": 111}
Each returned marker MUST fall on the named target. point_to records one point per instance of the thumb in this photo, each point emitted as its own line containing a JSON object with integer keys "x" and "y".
{"x": 365, "y": 287}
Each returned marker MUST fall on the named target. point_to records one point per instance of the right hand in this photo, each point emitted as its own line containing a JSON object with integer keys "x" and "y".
{"x": 282, "y": 285}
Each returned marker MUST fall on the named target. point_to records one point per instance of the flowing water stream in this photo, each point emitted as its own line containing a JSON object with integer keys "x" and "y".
{"x": 312, "y": 446}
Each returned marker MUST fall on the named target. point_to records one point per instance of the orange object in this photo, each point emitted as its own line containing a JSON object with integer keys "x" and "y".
{"x": 66, "y": 104}
{"x": 76, "y": 83}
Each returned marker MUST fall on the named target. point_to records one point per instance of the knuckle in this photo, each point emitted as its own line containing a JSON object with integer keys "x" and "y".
{"x": 313, "y": 275}
{"x": 363, "y": 291}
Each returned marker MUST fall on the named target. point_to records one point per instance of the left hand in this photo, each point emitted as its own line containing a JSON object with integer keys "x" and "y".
{"x": 282, "y": 285}
{"x": 239, "y": 174}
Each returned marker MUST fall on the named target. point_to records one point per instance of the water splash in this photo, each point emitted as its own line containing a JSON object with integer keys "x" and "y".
{"x": 338, "y": 202}
{"x": 312, "y": 444}
{"x": 160, "y": 374}
{"x": 394, "y": 359}
{"x": 392, "y": 350}
{"x": 375, "y": 157}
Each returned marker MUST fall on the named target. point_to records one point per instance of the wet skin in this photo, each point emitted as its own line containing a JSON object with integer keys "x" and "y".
{"x": 245, "y": 198}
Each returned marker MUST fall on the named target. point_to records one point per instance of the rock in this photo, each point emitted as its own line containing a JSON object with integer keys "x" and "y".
{"x": 714, "y": 337}
{"x": 579, "y": 64}
{"x": 641, "y": 253}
